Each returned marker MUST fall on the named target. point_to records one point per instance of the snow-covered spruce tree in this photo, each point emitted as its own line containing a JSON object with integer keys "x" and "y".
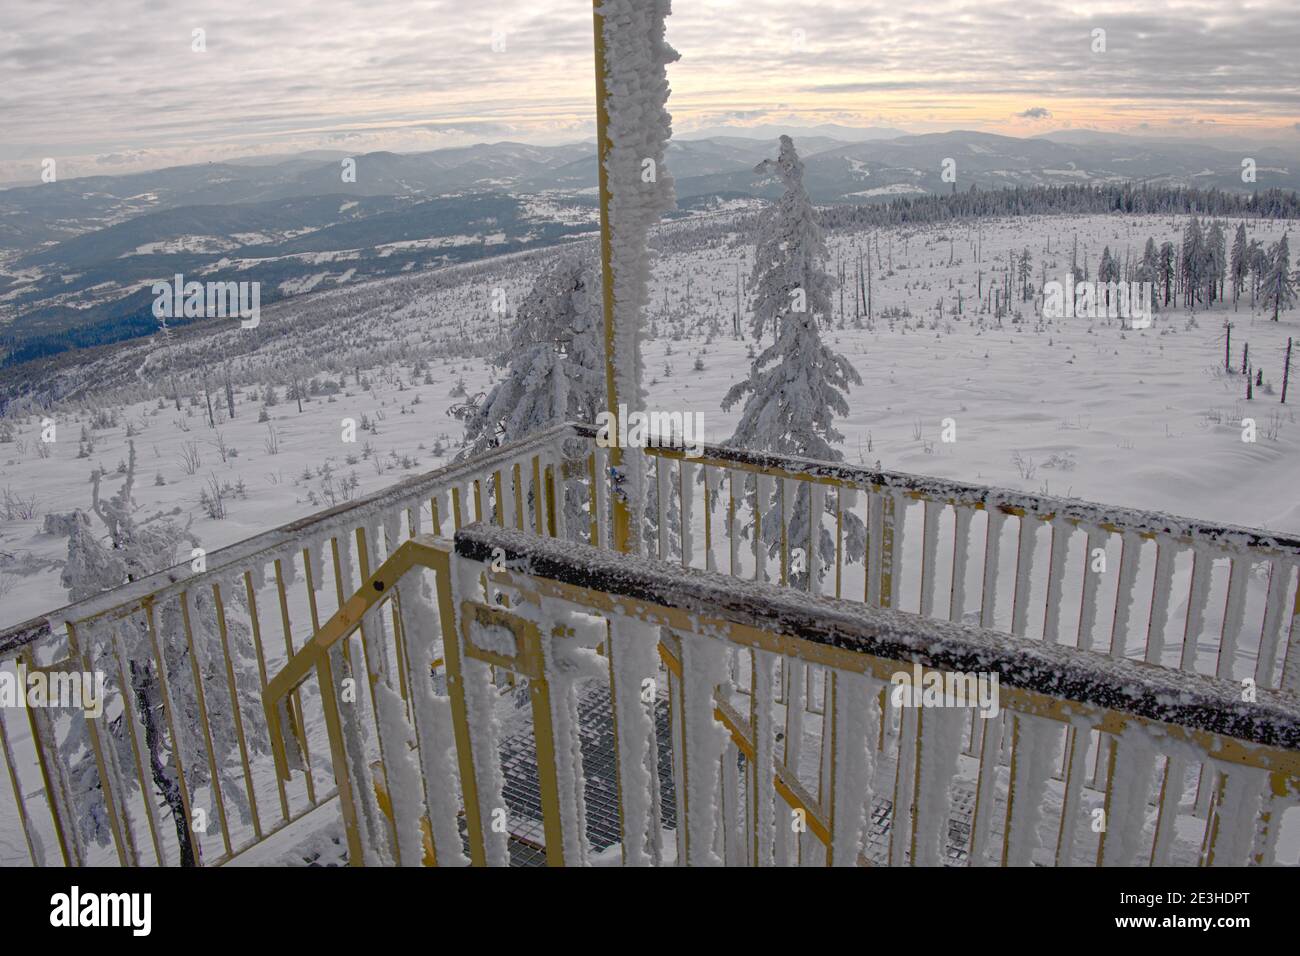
{"x": 555, "y": 369}
{"x": 1192, "y": 263}
{"x": 791, "y": 250}
{"x": 1148, "y": 269}
{"x": 1278, "y": 291}
{"x": 1107, "y": 272}
{"x": 1216, "y": 262}
{"x": 1240, "y": 262}
{"x": 797, "y": 384}
{"x": 126, "y": 549}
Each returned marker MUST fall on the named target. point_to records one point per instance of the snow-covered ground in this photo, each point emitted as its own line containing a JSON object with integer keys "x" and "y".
{"x": 1068, "y": 406}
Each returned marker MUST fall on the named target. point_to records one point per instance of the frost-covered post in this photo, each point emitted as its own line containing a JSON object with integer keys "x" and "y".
{"x": 632, "y": 130}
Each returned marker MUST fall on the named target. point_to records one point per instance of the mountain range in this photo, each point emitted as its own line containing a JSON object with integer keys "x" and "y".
{"x": 77, "y": 256}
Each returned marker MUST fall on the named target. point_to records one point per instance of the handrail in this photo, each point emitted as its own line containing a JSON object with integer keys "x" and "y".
{"x": 1202, "y": 717}
{"x": 1045, "y": 507}
{"x": 1146, "y": 523}
{"x": 1206, "y": 706}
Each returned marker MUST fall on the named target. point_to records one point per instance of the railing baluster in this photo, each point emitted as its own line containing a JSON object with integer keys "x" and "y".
{"x": 1032, "y": 745}
{"x": 1128, "y": 791}
{"x": 1129, "y": 559}
{"x": 960, "y": 561}
{"x": 1162, "y": 588}
{"x": 853, "y": 716}
{"x": 236, "y": 716}
{"x": 992, "y": 555}
{"x": 938, "y": 746}
{"x": 250, "y": 595}
{"x": 1025, "y": 541}
{"x": 1088, "y": 598}
{"x": 201, "y": 700}
{"x": 764, "y": 798}
{"x": 29, "y": 833}
{"x": 1271, "y": 631}
{"x": 929, "y": 553}
{"x": 1061, "y": 533}
{"x": 134, "y": 727}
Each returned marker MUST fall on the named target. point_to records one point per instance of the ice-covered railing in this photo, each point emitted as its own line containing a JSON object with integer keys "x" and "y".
{"x": 192, "y": 647}
{"x": 1184, "y": 594}
{"x": 865, "y": 781}
{"x": 1173, "y": 591}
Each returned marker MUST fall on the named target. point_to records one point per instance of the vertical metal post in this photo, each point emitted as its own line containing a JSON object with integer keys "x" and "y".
{"x": 622, "y": 525}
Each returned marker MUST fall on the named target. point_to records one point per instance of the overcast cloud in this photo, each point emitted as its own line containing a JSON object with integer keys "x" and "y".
{"x": 113, "y": 85}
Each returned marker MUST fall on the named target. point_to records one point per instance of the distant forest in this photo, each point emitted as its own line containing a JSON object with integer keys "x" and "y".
{"x": 1067, "y": 200}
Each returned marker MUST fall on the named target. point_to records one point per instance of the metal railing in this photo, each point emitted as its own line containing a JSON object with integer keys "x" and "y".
{"x": 195, "y": 647}
{"x": 569, "y": 620}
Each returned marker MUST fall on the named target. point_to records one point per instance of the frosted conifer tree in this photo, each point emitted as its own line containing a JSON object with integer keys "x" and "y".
{"x": 791, "y": 250}
{"x": 555, "y": 370}
{"x": 1279, "y": 284}
{"x": 797, "y": 385}
{"x": 1240, "y": 261}
{"x": 555, "y": 364}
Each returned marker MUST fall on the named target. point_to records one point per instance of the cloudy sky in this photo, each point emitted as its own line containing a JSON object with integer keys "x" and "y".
{"x": 115, "y": 85}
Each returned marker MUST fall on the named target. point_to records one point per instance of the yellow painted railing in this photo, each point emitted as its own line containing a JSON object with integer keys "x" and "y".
{"x": 570, "y": 621}
{"x": 1172, "y": 592}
